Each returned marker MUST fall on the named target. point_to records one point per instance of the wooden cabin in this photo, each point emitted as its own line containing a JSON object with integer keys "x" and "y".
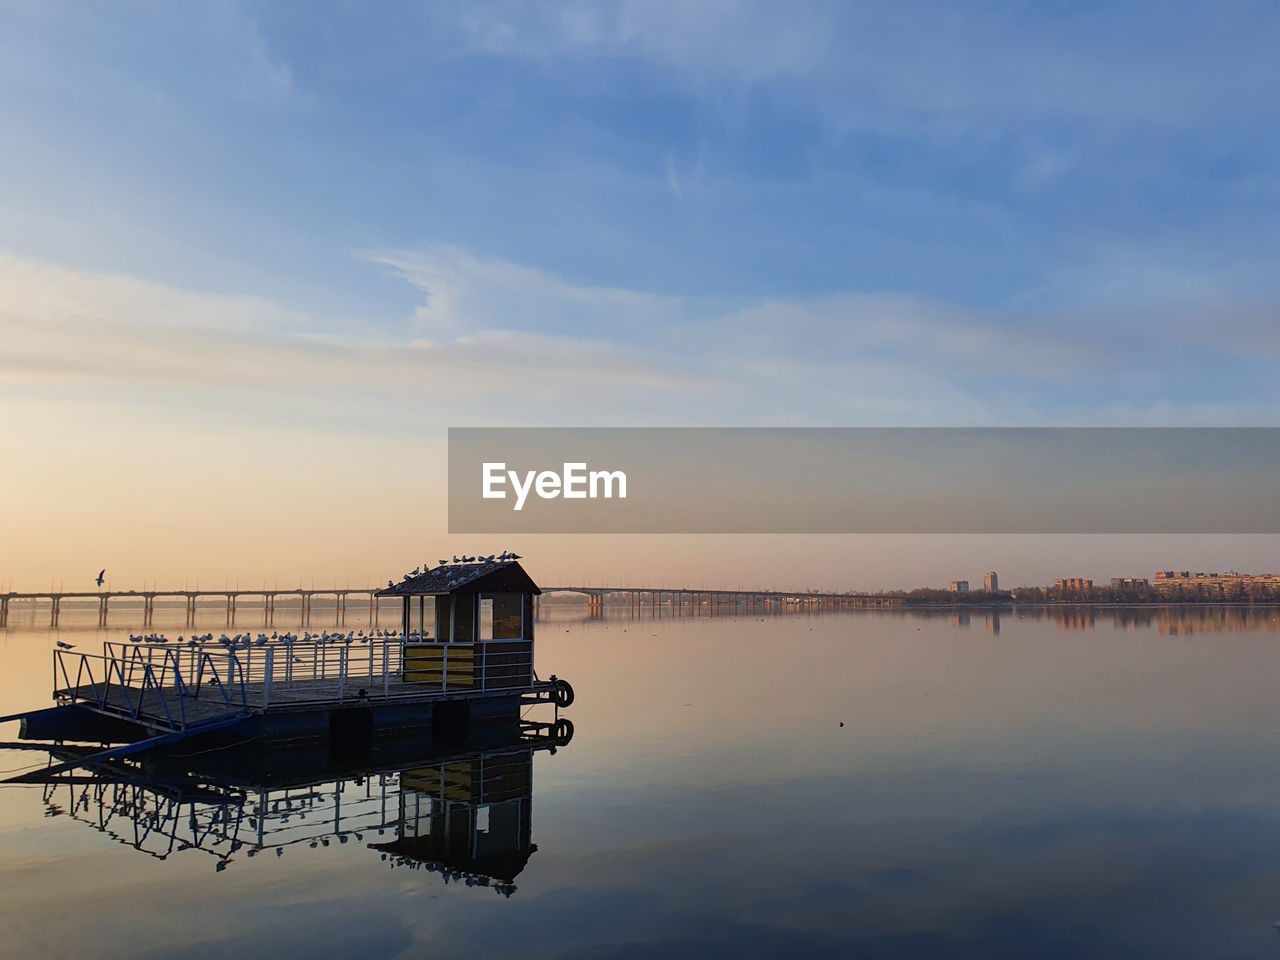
{"x": 468, "y": 627}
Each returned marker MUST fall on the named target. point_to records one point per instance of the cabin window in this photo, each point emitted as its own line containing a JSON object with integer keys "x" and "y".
{"x": 482, "y": 819}
{"x": 422, "y": 615}
{"x": 506, "y": 615}
{"x": 486, "y": 618}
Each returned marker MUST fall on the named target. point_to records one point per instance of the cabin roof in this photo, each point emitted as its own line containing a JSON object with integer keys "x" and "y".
{"x": 502, "y": 865}
{"x": 494, "y": 576}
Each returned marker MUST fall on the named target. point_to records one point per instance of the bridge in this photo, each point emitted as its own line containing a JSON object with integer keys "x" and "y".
{"x": 337, "y": 600}
{"x": 720, "y": 600}
{"x": 268, "y": 598}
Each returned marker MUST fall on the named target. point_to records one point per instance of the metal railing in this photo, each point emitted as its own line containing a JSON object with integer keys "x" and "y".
{"x": 148, "y": 684}
{"x": 157, "y": 682}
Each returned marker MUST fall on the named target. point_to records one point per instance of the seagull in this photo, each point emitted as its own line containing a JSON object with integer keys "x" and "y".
{"x": 443, "y": 562}
{"x": 66, "y": 646}
{"x": 391, "y": 583}
{"x": 455, "y": 559}
{"x": 102, "y": 576}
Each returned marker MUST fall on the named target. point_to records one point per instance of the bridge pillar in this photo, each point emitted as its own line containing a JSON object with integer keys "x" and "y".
{"x": 4, "y": 611}
{"x": 102, "y": 611}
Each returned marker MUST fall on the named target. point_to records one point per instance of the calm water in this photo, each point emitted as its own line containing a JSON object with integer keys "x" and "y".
{"x": 1070, "y": 785}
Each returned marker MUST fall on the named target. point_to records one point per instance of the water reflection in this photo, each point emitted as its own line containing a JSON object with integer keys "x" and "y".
{"x": 462, "y": 811}
{"x": 879, "y": 784}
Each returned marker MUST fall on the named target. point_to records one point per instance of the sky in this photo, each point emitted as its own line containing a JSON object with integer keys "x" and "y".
{"x": 256, "y": 258}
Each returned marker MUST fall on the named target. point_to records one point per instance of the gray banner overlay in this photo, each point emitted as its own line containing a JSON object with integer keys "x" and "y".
{"x": 864, "y": 480}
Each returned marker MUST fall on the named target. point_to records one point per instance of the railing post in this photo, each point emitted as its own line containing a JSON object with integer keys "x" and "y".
{"x": 266, "y": 683}
{"x": 342, "y": 670}
{"x": 386, "y": 669}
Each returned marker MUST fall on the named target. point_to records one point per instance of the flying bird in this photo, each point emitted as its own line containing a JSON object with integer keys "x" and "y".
{"x": 102, "y": 576}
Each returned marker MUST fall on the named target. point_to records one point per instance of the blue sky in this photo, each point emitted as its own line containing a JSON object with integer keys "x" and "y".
{"x": 332, "y": 216}
{"x": 1096, "y": 165}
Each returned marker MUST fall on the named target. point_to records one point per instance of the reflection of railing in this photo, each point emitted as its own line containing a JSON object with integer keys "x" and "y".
{"x": 224, "y": 821}
{"x": 150, "y": 684}
{"x": 464, "y": 814}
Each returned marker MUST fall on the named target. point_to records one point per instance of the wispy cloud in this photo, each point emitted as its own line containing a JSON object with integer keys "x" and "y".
{"x": 499, "y": 342}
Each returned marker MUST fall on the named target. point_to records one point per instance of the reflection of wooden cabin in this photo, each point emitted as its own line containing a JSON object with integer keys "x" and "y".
{"x": 468, "y": 627}
{"x": 469, "y": 815}
{"x": 463, "y": 810}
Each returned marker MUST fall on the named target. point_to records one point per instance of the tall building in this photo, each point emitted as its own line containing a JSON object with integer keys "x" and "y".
{"x": 959, "y": 586}
{"x": 1074, "y": 583}
{"x": 1128, "y": 583}
{"x": 991, "y": 583}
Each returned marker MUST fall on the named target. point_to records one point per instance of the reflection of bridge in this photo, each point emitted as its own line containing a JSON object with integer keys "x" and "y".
{"x": 722, "y": 601}
{"x": 336, "y": 601}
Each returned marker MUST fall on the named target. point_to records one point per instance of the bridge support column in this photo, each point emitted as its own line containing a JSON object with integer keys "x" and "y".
{"x": 102, "y": 611}
{"x": 4, "y": 611}
{"x": 53, "y": 611}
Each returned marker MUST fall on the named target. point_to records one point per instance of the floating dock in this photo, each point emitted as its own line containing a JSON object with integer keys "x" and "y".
{"x": 463, "y": 656}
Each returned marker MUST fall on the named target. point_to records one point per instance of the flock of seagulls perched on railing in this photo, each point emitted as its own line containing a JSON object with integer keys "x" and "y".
{"x": 475, "y": 565}
{"x": 263, "y": 640}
